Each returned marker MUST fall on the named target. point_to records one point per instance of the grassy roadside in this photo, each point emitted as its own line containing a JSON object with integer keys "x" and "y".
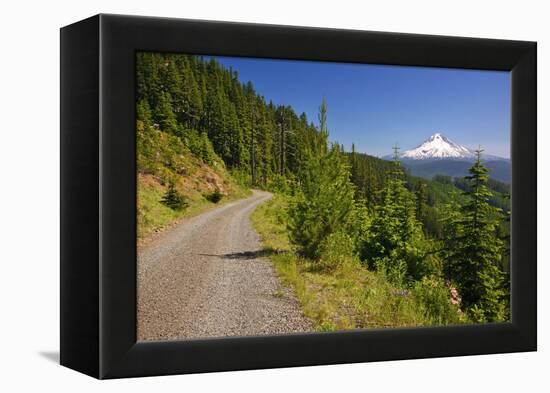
{"x": 165, "y": 160}
{"x": 154, "y": 216}
{"x": 348, "y": 296}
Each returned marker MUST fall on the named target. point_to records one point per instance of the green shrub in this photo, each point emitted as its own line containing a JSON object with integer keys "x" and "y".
{"x": 201, "y": 146}
{"x": 173, "y": 199}
{"x": 214, "y": 196}
{"x": 241, "y": 177}
{"x": 337, "y": 249}
{"x": 435, "y": 299}
{"x": 394, "y": 269}
{"x": 280, "y": 184}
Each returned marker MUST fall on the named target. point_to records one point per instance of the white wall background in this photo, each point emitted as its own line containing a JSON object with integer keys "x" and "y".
{"x": 29, "y": 194}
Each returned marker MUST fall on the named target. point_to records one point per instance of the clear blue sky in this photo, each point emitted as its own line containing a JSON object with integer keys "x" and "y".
{"x": 377, "y": 106}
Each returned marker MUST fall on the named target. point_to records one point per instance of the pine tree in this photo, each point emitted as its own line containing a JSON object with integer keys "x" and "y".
{"x": 394, "y": 245}
{"x": 266, "y": 142}
{"x": 473, "y": 250}
{"x": 354, "y": 165}
{"x": 172, "y": 83}
{"x": 216, "y": 124}
{"x": 206, "y": 151}
{"x": 165, "y": 115}
{"x": 324, "y": 202}
{"x": 149, "y": 85}
{"x": 253, "y": 142}
{"x": 421, "y": 201}
{"x": 173, "y": 199}
{"x": 323, "y": 128}
{"x": 144, "y": 113}
{"x": 193, "y": 97}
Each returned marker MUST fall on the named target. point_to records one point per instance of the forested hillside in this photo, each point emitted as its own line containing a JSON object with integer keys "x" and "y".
{"x": 362, "y": 242}
{"x": 195, "y": 99}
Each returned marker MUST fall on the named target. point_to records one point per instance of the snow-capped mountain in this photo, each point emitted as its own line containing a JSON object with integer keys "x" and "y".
{"x": 438, "y": 155}
{"x": 438, "y": 147}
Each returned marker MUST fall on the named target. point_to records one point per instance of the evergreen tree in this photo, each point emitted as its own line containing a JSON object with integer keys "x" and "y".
{"x": 173, "y": 199}
{"x": 149, "y": 86}
{"x": 172, "y": 83}
{"x": 144, "y": 113}
{"x": 165, "y": 116}
{"x": 323, "y": 128}
{"x": 473, "y": 250}
{"x": 266, "y": 144}
{"x": 354, "y": 167}
{"x": 216, "y": 124}
{"x": 193, "y": 97}
{"x": 207, "y": 153}
{"x": 324, "y": 202}
{"x": 235, "y": 137}
{"x": 421, "y": 201}
{"x": 253, "y": 145}
{"x": 394, "y": 245}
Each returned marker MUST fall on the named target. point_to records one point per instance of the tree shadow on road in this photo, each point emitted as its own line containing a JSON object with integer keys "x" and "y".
{"x": 246, "y": 255}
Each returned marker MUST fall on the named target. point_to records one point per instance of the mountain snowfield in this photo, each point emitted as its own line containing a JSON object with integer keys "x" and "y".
{"x": 438, "y": 146}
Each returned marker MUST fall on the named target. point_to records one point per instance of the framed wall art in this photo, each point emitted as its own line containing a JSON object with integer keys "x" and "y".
{"x": 239, "y": 196}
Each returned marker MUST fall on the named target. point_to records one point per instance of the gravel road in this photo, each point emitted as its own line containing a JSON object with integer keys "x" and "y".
{"x": 206, "y": 277}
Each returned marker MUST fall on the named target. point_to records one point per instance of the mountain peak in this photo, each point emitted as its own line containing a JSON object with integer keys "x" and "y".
{"x": 438, "y": 146}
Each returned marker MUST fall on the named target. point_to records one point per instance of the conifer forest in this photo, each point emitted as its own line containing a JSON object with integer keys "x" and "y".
{"x": 353, "y": 240}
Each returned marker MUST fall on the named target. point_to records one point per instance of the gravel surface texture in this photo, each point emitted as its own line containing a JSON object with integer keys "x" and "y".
{"x": 208, "y": 277}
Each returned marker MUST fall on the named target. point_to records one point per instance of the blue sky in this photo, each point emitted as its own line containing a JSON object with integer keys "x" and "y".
{"x": 377, "y": 106}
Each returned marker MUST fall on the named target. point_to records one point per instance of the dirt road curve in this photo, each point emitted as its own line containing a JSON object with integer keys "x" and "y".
{"x": 206, "y": 278}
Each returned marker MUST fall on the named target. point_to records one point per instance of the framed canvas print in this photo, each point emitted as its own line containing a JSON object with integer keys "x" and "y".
{"x": 239, "y": 196}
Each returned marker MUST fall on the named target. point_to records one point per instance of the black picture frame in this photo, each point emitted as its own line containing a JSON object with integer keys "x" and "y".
{"x": 98, "y": 196}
